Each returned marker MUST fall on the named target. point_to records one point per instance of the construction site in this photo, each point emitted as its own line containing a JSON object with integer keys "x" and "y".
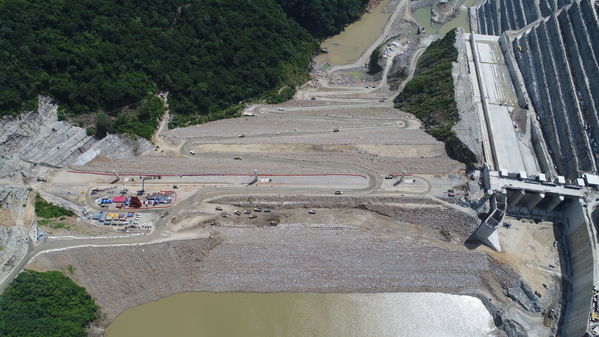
{"x": 337, "y": 181}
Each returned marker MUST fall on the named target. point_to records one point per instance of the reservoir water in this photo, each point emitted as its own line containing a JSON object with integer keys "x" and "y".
{"x": 201, "y": 314}
{"x": 423, "y": 18}
{"x": 347, "y": 46}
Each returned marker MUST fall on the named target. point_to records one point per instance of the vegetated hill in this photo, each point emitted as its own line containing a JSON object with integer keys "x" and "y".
{"x": 45, "y": 304}
{"x": 103, "y": 55}
{"x": 46, "y": 210}
{"x": 324, "y": 17}
{"x": 429, "y": 95}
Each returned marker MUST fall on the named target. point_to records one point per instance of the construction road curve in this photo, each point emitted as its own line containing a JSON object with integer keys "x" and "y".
{"x": 353, "y": 180}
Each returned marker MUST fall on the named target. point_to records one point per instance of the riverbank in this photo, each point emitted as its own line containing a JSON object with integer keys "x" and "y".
{"x": 290, "y": 258}
{"x": 352, "y": 42}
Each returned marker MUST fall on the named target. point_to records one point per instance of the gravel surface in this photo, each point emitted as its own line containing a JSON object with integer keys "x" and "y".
{"x": 409, "y": 210}
{"x": 371, "y": 135}
{"x": 439, "y": 164}
{"x": 263, "y": 200}
{"x": 181, "y": 165}
{"x": 448, "y": 220}
{"x": 293, "y": 258}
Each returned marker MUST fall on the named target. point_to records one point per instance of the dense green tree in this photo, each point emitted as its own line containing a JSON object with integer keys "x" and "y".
{"x": 101, "y": 55}
{"x": 323, "y": 18}
{"x": 45, "y": 305}
{"x": 429, "y": 95}
{"x": 102, "y": 125}
{"x": 43, "y": 209}
{"x": 104, "y": 56}
{"x": 373, "y": 64}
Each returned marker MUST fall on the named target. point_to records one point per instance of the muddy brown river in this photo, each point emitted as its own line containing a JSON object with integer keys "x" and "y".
{"x": 347, "y": 46}
{"x": 306, "y": 314}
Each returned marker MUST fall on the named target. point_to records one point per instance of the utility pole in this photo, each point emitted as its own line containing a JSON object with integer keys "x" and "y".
{"x": 403, "y": 175}
{"x": 116, "y": 174}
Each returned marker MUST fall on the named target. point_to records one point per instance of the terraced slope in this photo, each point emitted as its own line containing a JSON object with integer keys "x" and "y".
{"x": 497, "y": 16}
{"x": 559, "y": 61}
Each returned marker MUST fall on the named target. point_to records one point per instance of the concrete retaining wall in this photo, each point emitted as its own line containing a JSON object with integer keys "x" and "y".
{"x": 467, "y": 129}
{"x": 510, "y": 62}
{"x": 483, "y": 97}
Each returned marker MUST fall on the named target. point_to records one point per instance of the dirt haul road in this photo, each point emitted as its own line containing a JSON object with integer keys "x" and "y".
{"x": 370, "y": 127}
{"x": 341, "y": 131}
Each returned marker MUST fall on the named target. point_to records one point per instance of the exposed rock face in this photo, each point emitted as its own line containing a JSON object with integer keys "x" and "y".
{"x": 12, "y": 239}
{"x": 38, "y": 138}
{"x": 12, "y": 210}
{"x": 514, "y": 329}
{"x": 12, "y": 242}
{"x": 523, "y": 295}
{"x": 115, "y": 147}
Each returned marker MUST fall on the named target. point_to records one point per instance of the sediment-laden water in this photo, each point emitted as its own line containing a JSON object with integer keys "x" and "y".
{"x": 306, "y": 314}
{"x": 347, "y": 46}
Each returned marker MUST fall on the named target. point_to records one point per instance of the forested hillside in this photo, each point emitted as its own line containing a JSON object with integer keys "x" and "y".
{"x": 108, "y": 56}
{"x": 324, "y": 17}
{"x": 94, "y": 55}
{"x": 45, "y": 305}
{"x": 429, "y": 95}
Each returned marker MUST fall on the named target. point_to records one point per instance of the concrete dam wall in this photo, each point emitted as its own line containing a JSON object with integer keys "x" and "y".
{"x": 551, "y": 49}
{"x": 579, "y": 241}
